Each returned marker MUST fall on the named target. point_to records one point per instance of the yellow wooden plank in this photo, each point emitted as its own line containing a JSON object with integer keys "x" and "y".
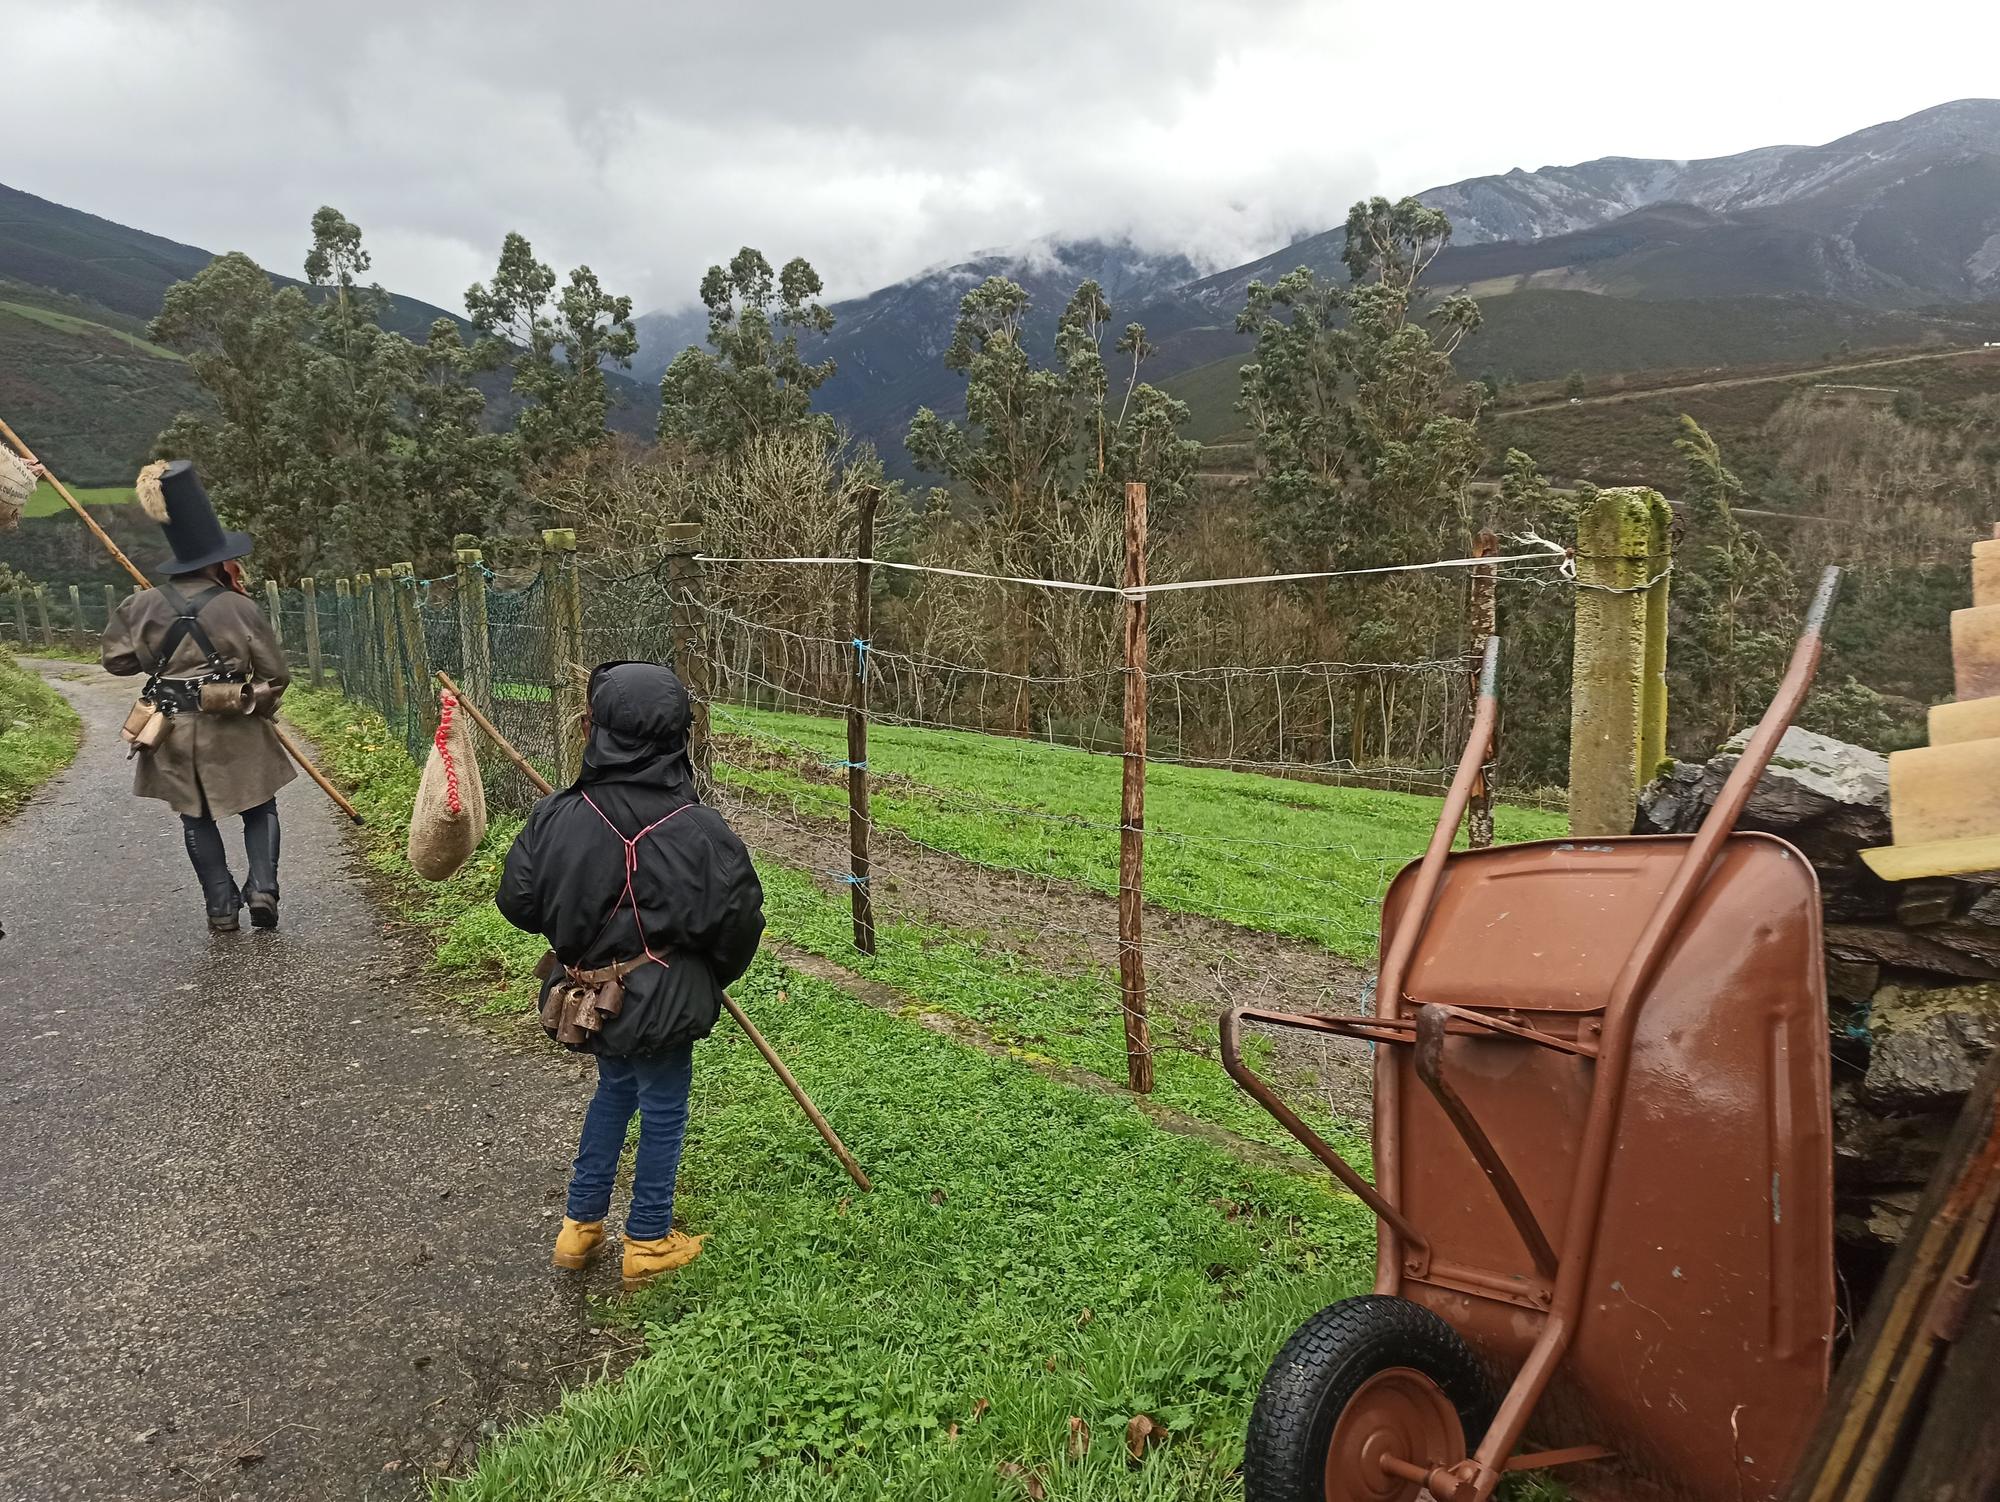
{"x": 1972, "y": 720}
{"x": 1938, "y": 858}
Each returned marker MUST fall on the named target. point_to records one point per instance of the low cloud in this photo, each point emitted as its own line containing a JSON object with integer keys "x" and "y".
{"x": 874, "y": 137}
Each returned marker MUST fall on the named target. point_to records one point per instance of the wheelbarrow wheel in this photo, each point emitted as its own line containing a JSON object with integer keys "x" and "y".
{"x": 1362, "y": 1378}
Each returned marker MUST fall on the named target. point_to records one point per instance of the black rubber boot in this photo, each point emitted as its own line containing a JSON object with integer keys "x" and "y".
{"x": 263, "y": 909}
{"x": 211, "y": 867}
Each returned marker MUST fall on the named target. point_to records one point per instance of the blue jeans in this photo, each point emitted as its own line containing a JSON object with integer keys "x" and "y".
{"x": 657, "y": 1087}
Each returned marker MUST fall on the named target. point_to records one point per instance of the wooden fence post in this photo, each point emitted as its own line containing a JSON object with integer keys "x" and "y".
{"x": 1132, "y": 825}
{"x": 42, "y": 614}
{"x": 75, "y": 619}
{"x": 315, "y": 663}
{"x": 857, "y": 729}
{"x": 1609, "y": 696}
{"x": 110, "y": 606}
{"x": 565, "y": 606}
{"x": 690, "y": 654}
{"x": 417, "y": 648}
{"x": 274, "y": 607}
{"x": 475, "y": 639}
{"x": 395, "y": 687}
{"x": 1479, "y": 626}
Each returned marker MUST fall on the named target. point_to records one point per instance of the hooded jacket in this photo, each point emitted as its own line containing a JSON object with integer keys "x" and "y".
{"x": 700, "y": 907}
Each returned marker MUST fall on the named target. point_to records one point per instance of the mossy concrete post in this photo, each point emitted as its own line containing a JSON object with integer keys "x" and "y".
{"x": 110, "y": 608}
{"x": 1653, "y": 704}
{"x": 1608, "y": 688}
{"x": 562, "y": 590}
{"x": 416, "y": 649}
{"x": 343, "y": 635}
{"x": 690, "y": 648}
{"x": 274, "y": 607}
{"x": 395, "y": 688}
{"x": 475, "y": 635}
{"x": 75, "y": 619}
{"x": 315, "y": 663}
{"x": 21, "y": 614}
{"x": 42, "y": 614}
{"x": 367, "y": 640}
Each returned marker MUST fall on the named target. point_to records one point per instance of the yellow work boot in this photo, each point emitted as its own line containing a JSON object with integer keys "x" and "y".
{"x": 577, "y": 1243}
{"x": 646, "y": 1260}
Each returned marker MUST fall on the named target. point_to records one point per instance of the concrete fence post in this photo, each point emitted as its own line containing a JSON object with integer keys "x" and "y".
{"x": 75, "y": 619}
{"x": 42, "y": 614}
{"x": 564, "y": 594}
{"x": 110, "y": 606}
{"x": 315, "y": 663}
{"x": 475, "y": 637}
{"x": 1618, "y": 687}
{"x": 416, "y": 649}
{"x": 343, "y": 634}
{"x": 274, "y": 607}
{"x": 21, "y": 614}
{"x": 395, "y": 695}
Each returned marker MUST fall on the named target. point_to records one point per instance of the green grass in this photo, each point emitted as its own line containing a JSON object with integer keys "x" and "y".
{"x": 39, "y": 734}
{"x": 1293, "y": 858}
{"x": 1033, "y": 1254}
{"x": 45, "y": 501}
{"x": 69, "y": 323}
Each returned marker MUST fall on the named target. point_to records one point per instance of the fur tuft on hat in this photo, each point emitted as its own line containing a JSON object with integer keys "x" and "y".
{"x": 152, "y": 499}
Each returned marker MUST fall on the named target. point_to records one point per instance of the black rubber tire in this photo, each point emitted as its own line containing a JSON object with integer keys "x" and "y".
{"x": 1324, "y": 1364}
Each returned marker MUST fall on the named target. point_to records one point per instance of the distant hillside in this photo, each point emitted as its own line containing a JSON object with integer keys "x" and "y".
{"x": 80, "y": 380}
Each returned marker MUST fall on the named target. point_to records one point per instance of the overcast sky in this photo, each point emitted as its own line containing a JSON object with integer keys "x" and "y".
{"x": 877, "y": 137}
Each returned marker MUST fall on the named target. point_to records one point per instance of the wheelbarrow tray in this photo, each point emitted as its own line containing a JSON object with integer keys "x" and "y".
{"x": 1703, "y": 1341}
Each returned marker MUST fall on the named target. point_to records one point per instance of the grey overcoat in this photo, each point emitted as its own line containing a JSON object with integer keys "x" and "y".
{"x": 226, "y": 762}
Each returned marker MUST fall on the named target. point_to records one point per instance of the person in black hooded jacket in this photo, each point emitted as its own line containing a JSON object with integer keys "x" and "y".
{"x": 678, "y": 912}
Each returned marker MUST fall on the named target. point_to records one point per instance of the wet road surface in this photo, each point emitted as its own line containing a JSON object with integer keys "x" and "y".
{"x": 273, "y": 1222}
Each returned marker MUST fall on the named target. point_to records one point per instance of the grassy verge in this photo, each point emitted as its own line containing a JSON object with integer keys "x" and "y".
{"x": 1292, "y": 858}
{"x": 1037, "y": 1266}
{"x": 39, "y": 734}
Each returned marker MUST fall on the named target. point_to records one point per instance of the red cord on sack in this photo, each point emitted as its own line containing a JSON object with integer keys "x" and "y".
{"x": 447, "y": 707}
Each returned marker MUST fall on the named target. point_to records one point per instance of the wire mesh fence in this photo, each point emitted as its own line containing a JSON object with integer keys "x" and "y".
{"x": 991, "y": 796}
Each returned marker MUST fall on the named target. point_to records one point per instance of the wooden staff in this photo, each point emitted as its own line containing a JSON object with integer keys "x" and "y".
{"x": 291, "y": 746}
{"x": 820, "y": 1123}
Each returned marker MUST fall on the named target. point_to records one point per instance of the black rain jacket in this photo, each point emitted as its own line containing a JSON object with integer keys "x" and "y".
{"x": 698, "y": 896}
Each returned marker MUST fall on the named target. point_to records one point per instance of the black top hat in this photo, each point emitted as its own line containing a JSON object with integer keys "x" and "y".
{"x": 190, "y": 525}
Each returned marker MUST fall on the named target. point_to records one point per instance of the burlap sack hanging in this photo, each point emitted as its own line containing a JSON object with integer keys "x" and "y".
{"x": 449, "y": 819}
{"x": 17, "y": 483}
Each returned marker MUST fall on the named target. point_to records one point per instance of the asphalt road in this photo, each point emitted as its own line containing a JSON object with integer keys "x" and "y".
{"x": 273, "y": 1222}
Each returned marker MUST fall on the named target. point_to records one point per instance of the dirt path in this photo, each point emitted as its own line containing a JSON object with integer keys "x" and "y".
{"x": 1648, "y": 393}
{"x": 275, "y": 1221}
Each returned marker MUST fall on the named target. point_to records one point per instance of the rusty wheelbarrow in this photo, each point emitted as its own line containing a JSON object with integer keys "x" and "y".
{"x": 1603, "y": 1167}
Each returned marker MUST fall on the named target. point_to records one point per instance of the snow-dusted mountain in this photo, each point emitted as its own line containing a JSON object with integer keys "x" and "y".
{"x": 1900, "y": 215}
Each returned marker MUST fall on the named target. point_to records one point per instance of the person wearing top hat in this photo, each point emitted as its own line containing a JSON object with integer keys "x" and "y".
{"x": 215, "y": 672}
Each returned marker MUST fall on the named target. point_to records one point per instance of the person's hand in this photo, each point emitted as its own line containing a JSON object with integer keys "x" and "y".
{"x": 38, "y": 469}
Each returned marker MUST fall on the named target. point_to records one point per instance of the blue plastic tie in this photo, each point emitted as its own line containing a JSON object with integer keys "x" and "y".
{"x": 849, "y": 877}
{"x": 850, "y": 766}
{"x": 861, "y": 659}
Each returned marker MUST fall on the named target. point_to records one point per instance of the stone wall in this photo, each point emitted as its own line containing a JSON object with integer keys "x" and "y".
{"x": 1912, "y": 971}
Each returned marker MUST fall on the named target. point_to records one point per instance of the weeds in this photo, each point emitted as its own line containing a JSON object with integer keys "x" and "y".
{"x": 39, "y": 734}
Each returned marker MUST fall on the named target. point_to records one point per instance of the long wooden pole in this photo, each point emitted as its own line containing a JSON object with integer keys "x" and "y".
{"x": 1132, "y": 825}
{"x": 291, "y": 746}
{"x": 813, "y": 1114}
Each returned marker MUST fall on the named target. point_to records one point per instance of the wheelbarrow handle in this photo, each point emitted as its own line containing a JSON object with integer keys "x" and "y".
{"x": 1784, "y": 708}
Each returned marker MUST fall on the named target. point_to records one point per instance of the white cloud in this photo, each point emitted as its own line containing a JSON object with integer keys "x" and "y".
{"x": 877, "y": 137}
